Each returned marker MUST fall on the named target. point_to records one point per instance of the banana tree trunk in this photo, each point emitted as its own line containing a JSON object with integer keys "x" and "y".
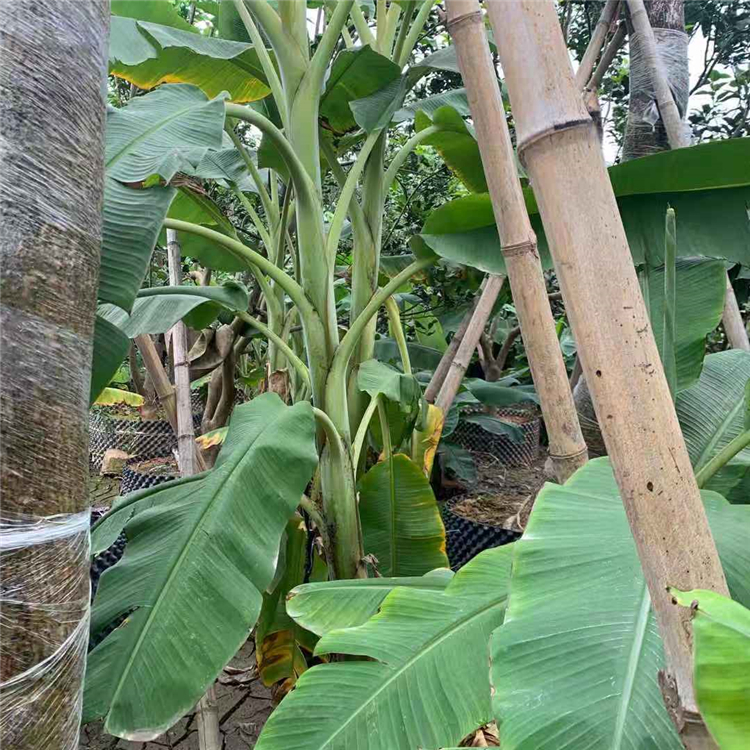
{"x": 53, "y": 63}
{"x": 558, "y": 144}
{"x": 567, "y": 448}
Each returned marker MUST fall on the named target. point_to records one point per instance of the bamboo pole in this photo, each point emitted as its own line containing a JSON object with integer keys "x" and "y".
{"x": 734, "y": 327}
{"x": 438, "y": 377}
{"x": 459, "y": 364}
{"x": 209, "y": 736}
{"x": 159, "y": 377}
{"x": 567, "y": 447}
{"x": 190, "y": 459}
{"x": 607, "y": 56}
{"x": 559, "y": 146}
{"x": 598, "y": 36}
{"x": 678, "y": 137}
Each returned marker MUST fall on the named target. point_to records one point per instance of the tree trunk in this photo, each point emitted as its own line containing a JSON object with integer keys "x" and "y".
{"x": 645, "y": 132}
{"x": 567, "y": 449}
{"x": 53, "y": 62}
{"x": 559, "y": 146}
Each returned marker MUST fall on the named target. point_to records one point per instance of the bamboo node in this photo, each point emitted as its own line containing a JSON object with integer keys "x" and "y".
{"x": 556, "y": 128}
{"x": 519, "y": 248}
{"x": 463, "y": 19}
{"x": 567, "y": 456}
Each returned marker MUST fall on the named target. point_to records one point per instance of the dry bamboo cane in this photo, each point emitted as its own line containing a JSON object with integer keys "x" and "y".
{"x": 567, "y": 447}
{"x": 558, "y": 144}
{"x": 679, "y": 138}
{"x": 159, "y": 377}
{"x": 459, "y": 364}
{"x": 438, "y": 377}
{"x": 734, "y": 327}
{"x": 209, "y": 736}
{"x": 586, "y": 68}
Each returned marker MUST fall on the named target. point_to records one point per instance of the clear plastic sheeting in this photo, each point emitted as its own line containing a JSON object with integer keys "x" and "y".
{"x": 44, "y": 622}
{"x": 672, "y": 47}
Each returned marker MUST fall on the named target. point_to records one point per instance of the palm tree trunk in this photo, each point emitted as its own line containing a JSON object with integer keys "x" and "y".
{"x": 558, "y": 144}
{"x": 53, "y": 62}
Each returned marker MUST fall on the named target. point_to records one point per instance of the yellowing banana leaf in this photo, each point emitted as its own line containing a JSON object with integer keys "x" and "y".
{"x": 112, "y": 396}
{"x": 151, "y": 44}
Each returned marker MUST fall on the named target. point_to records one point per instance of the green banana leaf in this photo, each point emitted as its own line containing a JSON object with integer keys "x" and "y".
{"x": 575, "y": 663}
{"x": 721, "y": 629}
{"x": 194, "y": 572}
{"x": 701, "y": 289}
{"x": 401, "y": 523}
{"x": 150, "y": 44}
{"x": 196, "y": 208}
{"x": 157, "y": 309}
{"x": 712, "y": 414}
{"x": 148, "y": 141}
{"x": 110, "y": 348}
{"x": 355, "y": 74}
{"x": 455, "y": 98}
{"x": 456, "y": 144}
{"x": 422, "y": 357}
{"x": 707, "y": 185}
{"x": 333, "y": 605}
{"x": 402, "y": 399}
{"x": 426, "y": 682}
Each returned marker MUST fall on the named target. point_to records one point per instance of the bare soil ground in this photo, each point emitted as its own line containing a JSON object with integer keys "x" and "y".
{"x": 503, "y": 496}
{"x": 243, "y": 705}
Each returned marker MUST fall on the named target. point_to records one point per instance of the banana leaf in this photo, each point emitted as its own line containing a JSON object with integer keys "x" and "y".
{"x": 575, "y": 663}
{"x": 401, "y": 523}
{"x": 196, "y": 565}
{"x": 712, "y": 414}
{"x": 721, "y": 629}
{"x": 333, "y": 605}
{"x": 425, "y": 683}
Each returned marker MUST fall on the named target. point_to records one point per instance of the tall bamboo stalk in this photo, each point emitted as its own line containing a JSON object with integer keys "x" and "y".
{"x": 678, "y": 137}
{"x": 209, "y": 737}
{"x": 567, "y": 447}
{"x": 185, "y": 433}
{"x": 558, "y": 144}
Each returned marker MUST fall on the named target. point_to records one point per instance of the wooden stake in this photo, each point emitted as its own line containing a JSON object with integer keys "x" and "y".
{"x": 567, "y": 447}
{"x": 209, "y": 736}
{"x": 459, "y": 364}
{"x": 559, "y": 146}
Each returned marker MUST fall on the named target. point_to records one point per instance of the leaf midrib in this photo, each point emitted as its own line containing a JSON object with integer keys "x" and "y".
{"x": 718, "y": 434}
{"x": 636, "y": 649}
{"x": 130, "y": 145}
{"x": 177, "y": 564}
{"x": 432, "y": 643}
